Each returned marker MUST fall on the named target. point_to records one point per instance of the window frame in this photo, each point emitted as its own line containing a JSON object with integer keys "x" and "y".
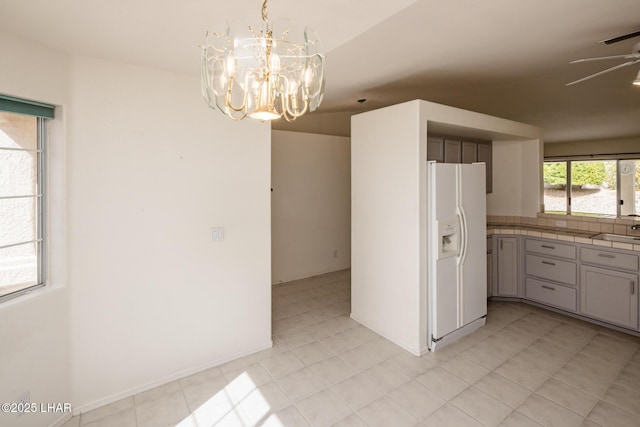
{"x": 42, "y": 114}
{"x": 568, "y": 159}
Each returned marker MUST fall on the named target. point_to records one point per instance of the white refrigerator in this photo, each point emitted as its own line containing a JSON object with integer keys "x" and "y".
{"x": 456, "y": 251}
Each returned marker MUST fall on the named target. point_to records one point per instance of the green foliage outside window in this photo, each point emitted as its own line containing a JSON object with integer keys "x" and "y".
{"x": 591, "y": 172}
{"x": 555, "y": 173}
{"x": 582, "y": 173}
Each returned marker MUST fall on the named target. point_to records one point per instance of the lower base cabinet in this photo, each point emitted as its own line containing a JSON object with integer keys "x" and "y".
{"x": 489, "y": 275}
{"x": 507, "y": 266}
{"x": 598, "y": 284}
{"x": 608, "y": 295}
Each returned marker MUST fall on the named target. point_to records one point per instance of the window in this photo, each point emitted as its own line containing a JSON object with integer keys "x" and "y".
{"x": 22, "y": 196}
{"x": 592, "y": 187}
{"x": 555, "y": 187}
{"x": 629, "y": 187}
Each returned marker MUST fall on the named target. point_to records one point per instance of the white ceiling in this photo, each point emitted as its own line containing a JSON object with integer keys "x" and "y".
{"x": 507, "y": 58}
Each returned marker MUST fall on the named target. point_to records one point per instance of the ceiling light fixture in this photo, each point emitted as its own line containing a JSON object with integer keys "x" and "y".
{"x": 264, "y": 70}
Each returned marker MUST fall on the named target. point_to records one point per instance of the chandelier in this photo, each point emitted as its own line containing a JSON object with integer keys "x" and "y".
{"x": 264, "y": 70}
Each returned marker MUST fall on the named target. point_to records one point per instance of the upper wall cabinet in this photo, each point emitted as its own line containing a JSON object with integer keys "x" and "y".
{"x": 452, "y": 151}
{"x": 435, "y": 148}
{"x": 485, "y": 155}
{"x": 449, "y": 149}
{"x": 469, "y": 152}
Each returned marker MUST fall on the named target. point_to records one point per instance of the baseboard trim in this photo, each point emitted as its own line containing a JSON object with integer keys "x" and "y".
{"x": 165, "y": 380}
{"x": 308, "y": 275}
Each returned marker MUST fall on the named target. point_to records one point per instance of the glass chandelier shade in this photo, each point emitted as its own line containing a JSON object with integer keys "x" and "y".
{"x": 263, "y": 70}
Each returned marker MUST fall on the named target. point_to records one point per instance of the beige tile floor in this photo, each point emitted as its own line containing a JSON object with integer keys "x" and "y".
{"x": 526, "y": 367}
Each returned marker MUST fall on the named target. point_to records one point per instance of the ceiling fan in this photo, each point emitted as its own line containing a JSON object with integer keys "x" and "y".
{"x": 634, "y": 58}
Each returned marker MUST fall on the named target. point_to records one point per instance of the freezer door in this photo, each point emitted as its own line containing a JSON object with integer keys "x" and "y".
{"x": 442, "y": 273}
{"x": 473, "y": 262}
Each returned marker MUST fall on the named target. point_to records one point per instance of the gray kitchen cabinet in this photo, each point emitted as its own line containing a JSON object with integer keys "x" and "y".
{"x": 609, "y": 295}
{"x": 469, "y": 152}
{"x": 551, "y": 273}
{"x": 452, "y": 151}
{"x": 489, "y": 266}
{"x": 507, "y": 266}
{"x": 489, "y": 275}
{"x": 597, "y": 284}
{"x": 485, "y": 155}
{"x": 435, "y": 148}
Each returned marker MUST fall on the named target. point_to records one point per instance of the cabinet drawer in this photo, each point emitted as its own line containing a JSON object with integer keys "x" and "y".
{"x": 547, "y": 293}
{"x": 609, "y": 258}
{"x": 551, "y": 248}
{"x": 551, "y": 269}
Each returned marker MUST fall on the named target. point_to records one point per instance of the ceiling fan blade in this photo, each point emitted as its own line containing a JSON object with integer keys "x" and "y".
{"x": 620, "y": 38}
{"x": 627, "y": 56}
{"x": 626, "y": 64}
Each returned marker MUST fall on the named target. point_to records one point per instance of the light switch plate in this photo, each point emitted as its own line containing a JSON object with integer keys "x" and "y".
{"x": 217, "y": 234}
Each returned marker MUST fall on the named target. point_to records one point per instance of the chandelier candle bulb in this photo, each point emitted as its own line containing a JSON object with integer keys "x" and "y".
{"x": 264, "y": 70}
{"x": 231, "y": 66}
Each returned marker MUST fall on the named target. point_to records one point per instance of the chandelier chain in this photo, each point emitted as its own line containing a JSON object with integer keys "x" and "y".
{"x": 264, "y": 11}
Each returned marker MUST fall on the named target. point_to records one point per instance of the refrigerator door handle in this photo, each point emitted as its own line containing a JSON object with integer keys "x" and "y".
{"x": 463, "y": 217}
{"x": 464, "y": 235}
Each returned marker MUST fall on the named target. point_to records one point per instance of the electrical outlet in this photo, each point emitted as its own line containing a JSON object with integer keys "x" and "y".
{"x": 561, "y": 224}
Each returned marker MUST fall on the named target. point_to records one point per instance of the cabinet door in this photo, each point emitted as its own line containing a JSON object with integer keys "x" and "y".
{"x": 469, "y": 152}
{"x": 452, "y": 151}
{"x": 485, "y": 155}
{"x": 507, "y": 266}
{"x": 435, "y": 148}
{"x": 609, "y": 295}
{"x": 489, "y": 275}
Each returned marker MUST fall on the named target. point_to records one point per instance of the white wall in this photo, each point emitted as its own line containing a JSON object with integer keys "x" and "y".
{"x": 333, "y": 124}
{"x": 385, "y": 238}
{"x": 151, "y": 169}
{"x": 516, "y": 178}
{"x": 34, "y": 329}
{"x": 310, "y": 204}
{"x": 138, "y": 295}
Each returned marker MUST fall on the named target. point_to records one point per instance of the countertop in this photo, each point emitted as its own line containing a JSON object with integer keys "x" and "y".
{"x": 554, "y": 233}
